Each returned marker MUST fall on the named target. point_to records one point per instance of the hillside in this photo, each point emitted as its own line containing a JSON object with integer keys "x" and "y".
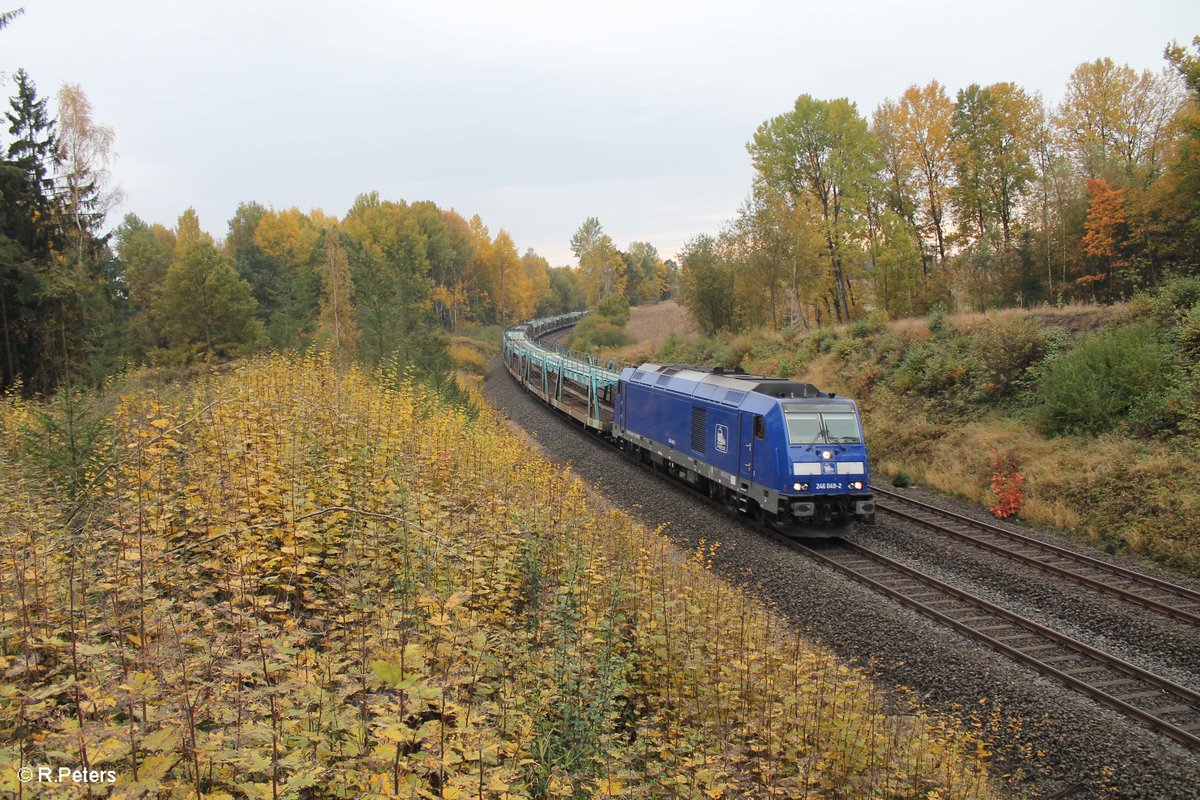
{"x": 1095, "y": 407}
{"x": 288, "y": 580}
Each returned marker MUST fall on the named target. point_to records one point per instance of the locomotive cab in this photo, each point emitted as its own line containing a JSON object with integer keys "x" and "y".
{"x": 828, "y": 459}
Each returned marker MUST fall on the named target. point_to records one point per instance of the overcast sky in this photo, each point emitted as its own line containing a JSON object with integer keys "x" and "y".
{"x": 534, "y": 114}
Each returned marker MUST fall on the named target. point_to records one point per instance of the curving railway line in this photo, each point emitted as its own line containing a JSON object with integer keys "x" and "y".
{"x": 1155, "y": 701}
{"x": 1147, "y": 591}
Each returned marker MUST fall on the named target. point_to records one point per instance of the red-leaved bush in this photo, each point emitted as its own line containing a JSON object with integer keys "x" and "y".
{"x": 1007, "y": 486}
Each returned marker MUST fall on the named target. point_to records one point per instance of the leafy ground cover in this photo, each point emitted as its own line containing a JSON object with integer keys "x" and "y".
{"x": 289, "y": 580}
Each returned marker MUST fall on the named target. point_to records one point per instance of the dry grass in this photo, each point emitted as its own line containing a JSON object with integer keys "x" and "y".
{"x": 1075, "y": 318}
{"x": 650, "y": 325}
{"x": 468, "y": 356}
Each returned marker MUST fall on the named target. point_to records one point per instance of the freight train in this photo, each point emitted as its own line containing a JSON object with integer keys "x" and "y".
{"x": 781, "y": 451}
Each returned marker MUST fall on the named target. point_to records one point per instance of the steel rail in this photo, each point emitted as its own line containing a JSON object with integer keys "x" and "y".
{"x": 1190, "y": 597}
{"x": 1187, "y": 701}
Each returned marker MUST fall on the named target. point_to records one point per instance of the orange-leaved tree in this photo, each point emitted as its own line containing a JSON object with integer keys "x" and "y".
{"x": 1106, "y": 230}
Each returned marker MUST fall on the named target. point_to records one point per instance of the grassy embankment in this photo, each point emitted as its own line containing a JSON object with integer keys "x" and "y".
{"x": 1095, "y": 406}
{"x": 288, "y": 581}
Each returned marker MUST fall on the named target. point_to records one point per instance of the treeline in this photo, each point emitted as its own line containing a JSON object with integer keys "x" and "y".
{"x": 383, "y": 283}
{"x": 981, "y": 199}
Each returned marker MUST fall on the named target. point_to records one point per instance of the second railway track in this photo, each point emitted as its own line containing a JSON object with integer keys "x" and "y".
{"x": 1165, "y": 706}
{"x": 1147, "y": 591}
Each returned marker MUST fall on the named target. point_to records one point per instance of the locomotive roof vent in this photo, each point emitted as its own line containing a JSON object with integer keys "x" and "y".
{"x": 793, "y": 389}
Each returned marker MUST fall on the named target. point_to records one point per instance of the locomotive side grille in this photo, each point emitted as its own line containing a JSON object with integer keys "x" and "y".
{"x": 699, "y": 428}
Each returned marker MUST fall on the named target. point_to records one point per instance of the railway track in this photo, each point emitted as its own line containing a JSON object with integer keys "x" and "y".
{"x": 1146, "y": 591}
{"x": 1167, "y": 707}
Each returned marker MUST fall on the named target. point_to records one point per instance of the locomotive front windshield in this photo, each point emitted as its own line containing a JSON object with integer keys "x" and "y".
{"x": 811, "y": 427}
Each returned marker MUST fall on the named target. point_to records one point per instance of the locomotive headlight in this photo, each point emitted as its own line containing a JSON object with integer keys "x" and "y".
{"x": 856, "y": 484}
{"x": 826, "y": 454}
{"x": 800, "y": 487}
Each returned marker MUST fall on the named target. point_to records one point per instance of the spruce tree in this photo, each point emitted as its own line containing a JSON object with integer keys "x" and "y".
{"x": 205, "y": 309}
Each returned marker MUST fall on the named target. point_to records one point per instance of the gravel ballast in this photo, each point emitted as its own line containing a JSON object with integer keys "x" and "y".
{"x": 1088, "y": 751}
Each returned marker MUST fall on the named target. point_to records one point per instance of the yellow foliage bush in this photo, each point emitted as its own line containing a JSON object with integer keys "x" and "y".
{"x": 468, "y": 358}
{"x": 294, "y": 582}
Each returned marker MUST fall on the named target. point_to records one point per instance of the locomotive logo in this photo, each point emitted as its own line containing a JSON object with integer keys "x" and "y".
{"x": 722, "y": 439}
{"x": 828, "y": 469}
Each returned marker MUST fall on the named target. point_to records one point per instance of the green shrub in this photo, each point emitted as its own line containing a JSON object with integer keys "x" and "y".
{"x": 743, "y": 345}
{"x": 594, "y": 332}
{"x": 1089, "y": 388}
{"x": 1189, "y": 334}
{"x": 1005, "y": 352}
{"x": 870, "y": 324}
{"x": 66, "y": 439}
{"x": 703, "y": 350}
{"x": 1181, "y": 293}
{"x": 939, "y": 319}
{"x": 1164, "y": 412}
{"x": 615, "y": 307}
{"x": 944, "y": 368}
{"x": 822, "y": 340}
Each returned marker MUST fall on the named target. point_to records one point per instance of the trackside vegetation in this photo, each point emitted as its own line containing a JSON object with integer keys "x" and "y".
{"x": 1097, "y": 408}
{"x": 291, "y": 578}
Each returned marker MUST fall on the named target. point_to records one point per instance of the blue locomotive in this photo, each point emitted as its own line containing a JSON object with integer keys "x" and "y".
{"x": 781, "y": 451}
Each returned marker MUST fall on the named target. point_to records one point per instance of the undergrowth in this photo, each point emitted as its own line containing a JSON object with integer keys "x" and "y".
{"x": 291, "y": 581}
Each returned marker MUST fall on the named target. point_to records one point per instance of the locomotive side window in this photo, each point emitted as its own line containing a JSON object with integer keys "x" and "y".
{"x": 760, "y": 430}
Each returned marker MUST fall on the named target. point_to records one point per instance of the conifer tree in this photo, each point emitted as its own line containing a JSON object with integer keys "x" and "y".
{"x": 205, "y": 309}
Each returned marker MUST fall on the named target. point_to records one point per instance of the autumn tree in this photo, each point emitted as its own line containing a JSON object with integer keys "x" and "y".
{"x": 289, "y": 239}
{"x": 84, "y": 154}
{"x": 145, "y": 252}
{"x": 644, "y": 273}
{"x": 1180, "y": 190}
{"x": 205, "y": 310}
{"x": 1106, "y": 231}
{"x": 566, "y": 293}
{"x": 451, "y": 290}
{"x": 994, "y": 131}
{"x": 336, "y": 328}
{"x": 922, "y": 124}
{"x": 242, "y": 226}
{"x": 391, "y": 278}
{"x": 777, "y": 252}
{"x": 823, "y": 150}
{"x": 475, "y": 278}
{"x": 706, "y": 284}
{"x": 537, "y": 282}
{"x": 507, "y": 286}
{"x": 899, "y": 191}
{"x": 1113, "y": 117}
{"x": 600, "y": 264}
